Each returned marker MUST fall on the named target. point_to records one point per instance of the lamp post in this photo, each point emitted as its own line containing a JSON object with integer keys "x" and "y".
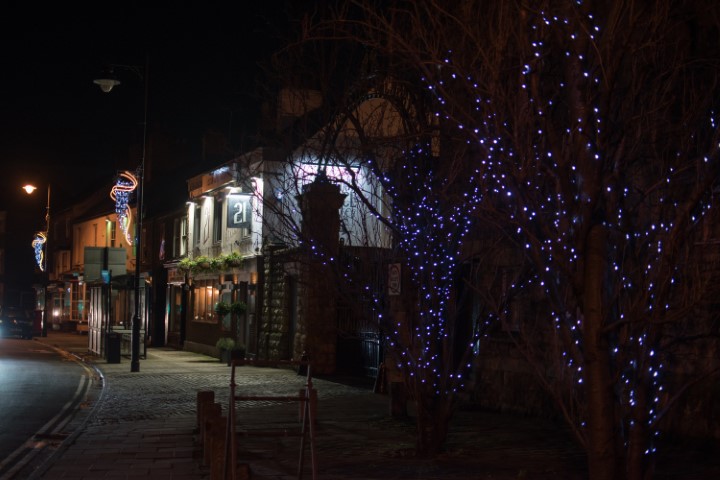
{"x": 106, "y": 83}
{"x": 43, "y": 238}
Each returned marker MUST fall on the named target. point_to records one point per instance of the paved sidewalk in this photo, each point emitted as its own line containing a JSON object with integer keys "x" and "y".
{"x": 142, "y": 425}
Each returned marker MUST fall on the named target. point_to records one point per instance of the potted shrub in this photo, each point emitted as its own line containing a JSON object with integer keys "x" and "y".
{"x": 225, "y": 345}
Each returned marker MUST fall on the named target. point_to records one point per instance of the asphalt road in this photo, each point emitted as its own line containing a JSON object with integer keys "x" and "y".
{"x": 41, "y": 388}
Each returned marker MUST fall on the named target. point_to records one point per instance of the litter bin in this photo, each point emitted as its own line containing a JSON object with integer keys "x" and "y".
{"x": 112, "y": 347}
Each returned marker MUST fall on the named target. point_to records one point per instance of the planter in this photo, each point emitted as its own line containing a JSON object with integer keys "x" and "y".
{"x": 225, "y": 356}
{"x": 234, "y": 354}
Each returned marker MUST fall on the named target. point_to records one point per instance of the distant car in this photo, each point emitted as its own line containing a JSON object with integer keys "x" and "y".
{"x": 15, "y": 323}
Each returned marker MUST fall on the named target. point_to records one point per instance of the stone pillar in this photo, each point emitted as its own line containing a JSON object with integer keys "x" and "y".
{"x": 320, "y": 205}
{"x": 272, "y": 337}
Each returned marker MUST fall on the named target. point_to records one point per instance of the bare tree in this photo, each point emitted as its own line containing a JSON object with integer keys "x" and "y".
{"x": 586, "y": 133}
{"x": 410, "y": 198}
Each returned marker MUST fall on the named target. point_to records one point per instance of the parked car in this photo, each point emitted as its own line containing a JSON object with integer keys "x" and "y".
{"x": 15, "y": 322}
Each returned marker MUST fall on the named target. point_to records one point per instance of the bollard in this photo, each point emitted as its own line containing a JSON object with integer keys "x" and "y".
{"x": 216, "y": 441}
{"x": 205, "y": 410}
{"x": 214, "y": 422}
{"x": 203, "y": 397}
{"x": 211, "y": 413}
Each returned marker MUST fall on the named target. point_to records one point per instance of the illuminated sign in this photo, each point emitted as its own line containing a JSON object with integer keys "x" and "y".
{"x": 239, "y": 211}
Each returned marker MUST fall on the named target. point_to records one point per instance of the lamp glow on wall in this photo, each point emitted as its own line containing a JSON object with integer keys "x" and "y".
{"x": 120, "y": 193}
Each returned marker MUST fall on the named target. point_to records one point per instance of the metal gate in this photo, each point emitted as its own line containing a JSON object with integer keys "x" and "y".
{"x": 370, "y": 353}
{"x": 358, "y": 345}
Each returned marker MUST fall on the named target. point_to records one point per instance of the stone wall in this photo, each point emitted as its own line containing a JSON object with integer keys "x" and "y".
{"x": 273, "y": 341}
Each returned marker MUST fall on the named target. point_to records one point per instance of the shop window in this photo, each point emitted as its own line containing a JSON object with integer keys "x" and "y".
{"x": 205, "y": 296}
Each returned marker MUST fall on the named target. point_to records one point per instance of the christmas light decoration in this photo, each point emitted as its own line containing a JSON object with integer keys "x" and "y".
{"x": 120, "y": 193}
{"x": 580, "y": 153}
{"x": 554, "y": 176}
{"x": 38, "y": 244}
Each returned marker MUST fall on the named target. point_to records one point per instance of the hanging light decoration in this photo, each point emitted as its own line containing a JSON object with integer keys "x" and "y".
{"x": 37, "y": 244}
{"x": 120, "y": 193}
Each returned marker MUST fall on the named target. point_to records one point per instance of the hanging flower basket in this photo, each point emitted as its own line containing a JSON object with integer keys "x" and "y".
{"x": 186, "y": 264}
{"x": 238, "y": 308}
{"x": 222, "y": 309}
{"x": 203, "y": 264}
{"x": 233, "y": 260}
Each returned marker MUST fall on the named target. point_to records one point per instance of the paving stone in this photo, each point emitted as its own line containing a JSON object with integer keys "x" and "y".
{"x": 142, "y": 425}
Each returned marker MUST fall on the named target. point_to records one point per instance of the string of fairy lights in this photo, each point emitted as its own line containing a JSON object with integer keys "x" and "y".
{"x": 635, "y": 359}
{"x": 431, "y": 234}
{"x": 550, "y": 217}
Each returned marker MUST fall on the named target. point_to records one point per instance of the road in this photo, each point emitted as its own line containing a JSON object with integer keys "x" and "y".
{"x": 41, "y": 390}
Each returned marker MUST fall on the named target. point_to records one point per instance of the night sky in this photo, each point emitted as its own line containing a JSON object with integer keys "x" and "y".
{"x": 57, "y": 126}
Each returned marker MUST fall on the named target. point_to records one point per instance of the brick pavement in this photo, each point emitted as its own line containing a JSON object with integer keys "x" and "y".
{"x": 142, "y": 425}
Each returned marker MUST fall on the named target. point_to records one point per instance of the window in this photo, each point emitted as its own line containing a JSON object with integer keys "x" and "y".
{"x": 113, "y": 232}
{"x": 196, "y": 226}
{"x": 217, "y": 220}
{"x": 183, "y": 236}
{"x": 180, "y": 237}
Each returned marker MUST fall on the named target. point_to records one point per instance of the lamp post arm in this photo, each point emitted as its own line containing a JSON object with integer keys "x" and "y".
{"x": 136, "y": 69}
{"x": 47, "y": 211}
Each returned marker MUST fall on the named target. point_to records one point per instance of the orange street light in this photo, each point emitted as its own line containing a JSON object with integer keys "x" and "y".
{"x": 41, "y": 240}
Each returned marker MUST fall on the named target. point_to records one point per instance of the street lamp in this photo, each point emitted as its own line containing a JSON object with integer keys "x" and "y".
{"x": 106, "y": 83}
{"x": 40, "y": 243}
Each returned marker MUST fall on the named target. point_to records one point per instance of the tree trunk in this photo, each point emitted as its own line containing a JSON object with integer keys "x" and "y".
{"x": 433, "y": 417}
{"x": 638, "y": 464}
{"x": 601, "y": 448}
